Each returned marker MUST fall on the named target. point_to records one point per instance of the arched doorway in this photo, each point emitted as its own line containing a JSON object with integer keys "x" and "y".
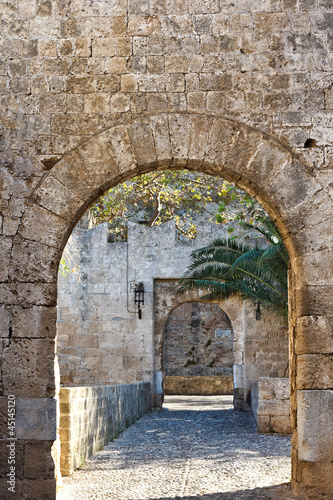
{"x": 198, "y": 351}
{"x": 274, "y": 175}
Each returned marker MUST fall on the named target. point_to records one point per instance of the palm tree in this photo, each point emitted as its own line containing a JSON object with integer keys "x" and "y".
{"x": 227, "y": 267}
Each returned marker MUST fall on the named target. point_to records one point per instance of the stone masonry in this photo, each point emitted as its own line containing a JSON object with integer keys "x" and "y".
{"x": 101, "y": 340}
{"x": 198, "y": 350}
{"x": 95, "y": 92}
{"x": 270, "y": 405}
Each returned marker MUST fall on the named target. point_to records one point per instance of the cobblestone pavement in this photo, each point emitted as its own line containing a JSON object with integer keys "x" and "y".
{"x": 195, "y": 448}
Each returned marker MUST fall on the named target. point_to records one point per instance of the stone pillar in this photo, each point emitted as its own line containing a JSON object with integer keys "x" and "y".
{"x": 28, "y": 379}
{"x": 311, "y": 348}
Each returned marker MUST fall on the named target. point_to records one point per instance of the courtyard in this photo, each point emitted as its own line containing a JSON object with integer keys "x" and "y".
{"x": 196, "y": 447}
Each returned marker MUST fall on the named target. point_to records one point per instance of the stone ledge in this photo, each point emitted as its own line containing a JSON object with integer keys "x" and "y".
{"x": 198, "y": 386}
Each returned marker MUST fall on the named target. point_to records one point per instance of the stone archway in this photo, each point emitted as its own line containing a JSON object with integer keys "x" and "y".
{"x": 166, "y": 302}
{"x": 198, "y": 351}
{"x": 272, "y": 173}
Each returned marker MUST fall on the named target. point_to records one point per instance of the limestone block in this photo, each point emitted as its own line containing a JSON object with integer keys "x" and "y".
{"x": 31, "y": 261}
{"x": 313, "y": 300}
{"x": 138, "y": 7}
{"x": 38, "y": 461}
{"x": 209, "y": 82}
{"x": 280, "y": 424}
{"x": 169, "y": 7}
{"x": 5, "y": 321}
{"x": 140, "y": 133}
{"x": 313, "y": 238}
{"x": 203, "y": 7}
{"x": 35, "y": 322}
{"x": 198, "y": 140}
{"x": 222, "y": 136}
{"x": 108, "y": 83}
{"x": 98, "y": 9}
{"x": 176, "y": 64}
{"x": 103, "y": 47}
{"x": 28, "y": 294}
{"x": 158, "y": 382}
{"x": 315, "y": 268}
{"x": 264, "y": 424}
{"x": 179, "y": 139}
{"x": 132, "y": 363}
{"x": 5, "y": 250}
{"x": 314, "y": 371}
{"x": 28, "y": 368}
{"x": 317, "y": 479}
{"x": 122, "y": 148}
{"x": 291, "y": 186}
{"x": 314, "y": 334}
{"x": 144, "y": 25}
{"x": 27, "y": 9}
{"x": 36, "y": 419}
{"x": 273, "y": 406}
{"x": 315, "y": 442}
{"x": 238, "y": 376}
{"x": 44, "y": 489}
{"x": 129, "y": 83}
{"x": 198, "y": 385}
{"x": 35, "y": 222}
{"x": 160, "y": 128}
{"x": 202, "y": 23}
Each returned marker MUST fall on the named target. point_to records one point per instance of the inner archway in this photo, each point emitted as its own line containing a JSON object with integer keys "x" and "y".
{"x": 274, "y": 175}
{"x": 198, "y": 351}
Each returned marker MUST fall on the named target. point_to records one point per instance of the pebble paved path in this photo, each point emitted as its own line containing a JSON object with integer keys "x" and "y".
{"x": 195, "y": 448}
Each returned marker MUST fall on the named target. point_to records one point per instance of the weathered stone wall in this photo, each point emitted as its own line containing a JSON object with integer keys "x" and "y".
{"x": 94, "y": 92}
{"x": 260, "y": 348}
{"x": 100, "y": 338}
{"x": 93, "y": 416}
{"x": 198, "y": 385}
{"x": 198, "y": 340}
{"x": 198, "y": 350}
{"x": 270, "y": 405}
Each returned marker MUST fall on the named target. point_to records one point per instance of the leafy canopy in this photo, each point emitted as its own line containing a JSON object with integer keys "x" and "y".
{"x": 184, "y": 196}
{"x": 227, "y": 267}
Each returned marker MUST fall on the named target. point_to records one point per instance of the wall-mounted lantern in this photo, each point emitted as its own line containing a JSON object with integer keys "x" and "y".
{"x": 139, "y": 297}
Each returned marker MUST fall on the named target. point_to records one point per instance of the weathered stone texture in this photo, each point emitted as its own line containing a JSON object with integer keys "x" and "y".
{"x": 71, "y": 70}
{"x": 315, "y": 443}
{"x": 270, "y": 405}
{"x": 115, "y": 407}
{"x": 198, "y": 340}
{"x": 96, "y": 308}
{"x": 198, "y": 385}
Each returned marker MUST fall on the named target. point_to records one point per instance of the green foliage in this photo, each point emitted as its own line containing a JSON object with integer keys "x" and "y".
{"x": 181, "y": 195}
{"x": 63, "y": 267}
{"x": 227, "y": 267}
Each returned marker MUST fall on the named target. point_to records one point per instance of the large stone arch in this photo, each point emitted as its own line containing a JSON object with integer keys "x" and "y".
{"x": 255, "y": 161}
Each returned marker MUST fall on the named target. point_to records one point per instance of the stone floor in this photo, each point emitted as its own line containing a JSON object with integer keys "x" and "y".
{"x": 195, "y": 448}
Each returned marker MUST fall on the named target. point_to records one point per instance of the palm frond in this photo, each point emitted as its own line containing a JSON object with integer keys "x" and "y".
{"x": 227, "y": 267}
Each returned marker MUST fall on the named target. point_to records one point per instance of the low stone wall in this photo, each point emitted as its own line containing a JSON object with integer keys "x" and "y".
{"x": 92, "y": 416}
{"x": 198, "y": 386}
{"x": 270, "y": 405}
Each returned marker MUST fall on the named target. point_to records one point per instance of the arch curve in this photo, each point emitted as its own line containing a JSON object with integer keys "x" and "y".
{"x": 251, "y": 159}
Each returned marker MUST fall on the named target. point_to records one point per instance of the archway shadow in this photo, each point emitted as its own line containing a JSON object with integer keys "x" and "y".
{"x": 276, "y": 492}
